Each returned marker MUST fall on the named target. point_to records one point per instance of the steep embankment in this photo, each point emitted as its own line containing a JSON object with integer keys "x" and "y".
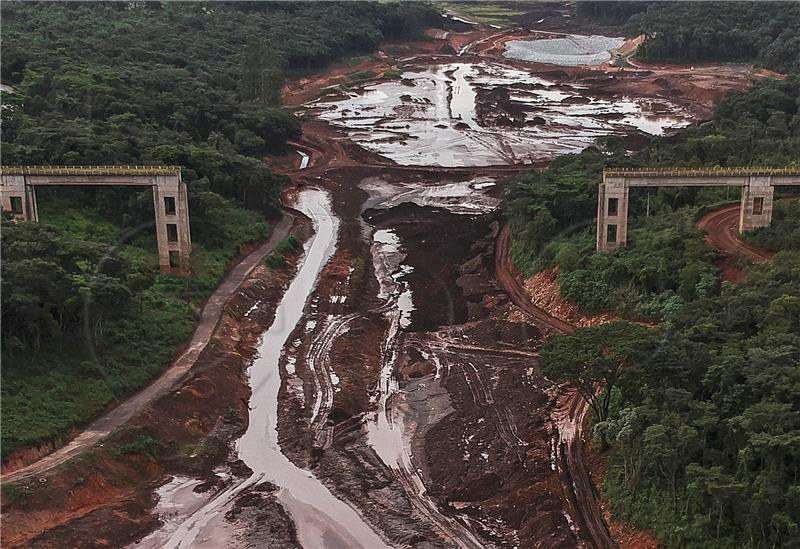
{"x": 579, "y": 491}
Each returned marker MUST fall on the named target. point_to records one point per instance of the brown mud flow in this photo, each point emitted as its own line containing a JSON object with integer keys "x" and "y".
{"x": 394, "y": 395}
{"x": 106, "y": 497}
{"x": 473, "y": 114}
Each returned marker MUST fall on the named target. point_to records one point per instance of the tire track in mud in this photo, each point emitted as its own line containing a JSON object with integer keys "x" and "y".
{"x": 318, "y": 360}
{"x": 387, "y": 420}
{"x": 568, "y": 416}
{"x": 443, "y": 348}
{"x": 386, "y": 428}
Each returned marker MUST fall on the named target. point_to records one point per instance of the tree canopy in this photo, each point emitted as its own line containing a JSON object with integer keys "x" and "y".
{"x": 86, "y": 316}
{"x": 704, "y": 415}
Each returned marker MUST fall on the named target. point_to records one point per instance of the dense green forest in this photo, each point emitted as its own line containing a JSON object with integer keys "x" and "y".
{"x": 761, "y": 32}
{"x": 701, "y": 414}
{"x": 553, "y": 211}
{"x": 86, "y": 317}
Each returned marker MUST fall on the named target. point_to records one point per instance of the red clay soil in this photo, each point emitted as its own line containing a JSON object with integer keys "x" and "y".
{"x": 508, "y": 277}
{"x": 721, "y": 227}
{"x": 544, "y": 291}
{"x": 300, "y": 92}
{"x": 105, "y": 497}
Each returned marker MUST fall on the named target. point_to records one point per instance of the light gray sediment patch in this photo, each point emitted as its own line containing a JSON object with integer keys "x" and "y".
{"x": 479, "y": 114}
{"x": 568, "y": 50}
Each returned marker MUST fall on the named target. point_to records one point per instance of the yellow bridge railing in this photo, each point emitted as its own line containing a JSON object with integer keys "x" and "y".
{"x": 698, "y": 172}
{"x": 90, "y": 170}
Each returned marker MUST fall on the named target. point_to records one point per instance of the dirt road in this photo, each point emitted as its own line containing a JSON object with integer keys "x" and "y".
{"x": 506, "y": 276}
{"x": 722, "y": 228}
{"x": 209, "y": 318}
{"x": 722, "y": 234}
{"x": 569, "y": 415}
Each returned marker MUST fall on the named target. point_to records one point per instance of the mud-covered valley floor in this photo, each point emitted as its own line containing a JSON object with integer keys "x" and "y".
{"x": 383, "y": 387}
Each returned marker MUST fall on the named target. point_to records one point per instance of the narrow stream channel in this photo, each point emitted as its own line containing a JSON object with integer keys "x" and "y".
{"x": 387, "y": 431}
{"x": 320, "y": 518}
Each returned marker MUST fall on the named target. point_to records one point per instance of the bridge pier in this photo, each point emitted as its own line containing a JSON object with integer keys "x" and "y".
{"x": 18, "y": 198}
{"x": 757, "y": 184}
{"x": 170, "y": 201}
{"x": 612, "y": 214}
{"x": 757, "y": 199}
{"x": 171, "y": 207}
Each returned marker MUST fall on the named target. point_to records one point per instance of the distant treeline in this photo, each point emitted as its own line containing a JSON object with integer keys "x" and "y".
{"x": 86, "y": 317}
{"x": 765, "y": 33}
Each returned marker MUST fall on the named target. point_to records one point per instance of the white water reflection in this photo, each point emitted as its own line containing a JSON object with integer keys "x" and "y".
{"x": 433, "y": 117}
{"x": 461, "y": 197}
{"x": 320, "y": 518}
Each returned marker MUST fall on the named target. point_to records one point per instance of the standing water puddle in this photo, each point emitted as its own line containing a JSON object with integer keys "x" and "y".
{"x": 320, "y": 518}
{"x": 476, "y": 114}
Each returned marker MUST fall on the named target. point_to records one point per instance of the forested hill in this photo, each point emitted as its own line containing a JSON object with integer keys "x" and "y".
{"x": 700, "y": 411}
{"x": 761, "y": 32}
{"x": 190, "y": 83}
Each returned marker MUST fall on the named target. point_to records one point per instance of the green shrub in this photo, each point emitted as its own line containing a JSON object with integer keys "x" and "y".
{"x": 288, "y": 245}
{"x": 275, "y": 260}
{"x": 143, "y": 445}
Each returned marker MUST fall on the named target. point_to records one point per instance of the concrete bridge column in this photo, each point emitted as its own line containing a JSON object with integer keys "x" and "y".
{"x": 18, "y": 198}
{"x": 757, "y": 199}
{"x": 612, "y": 214}
{"x": 171, "y": 207}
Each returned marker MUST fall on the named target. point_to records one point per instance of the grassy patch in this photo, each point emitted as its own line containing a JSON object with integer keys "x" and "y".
{"x": 392, "y": 74}
{"x": 143, "y": 445}
{"x": 357, "y": 60}
{"x": 277, "y": 259}
{"x": 362, "y": 76}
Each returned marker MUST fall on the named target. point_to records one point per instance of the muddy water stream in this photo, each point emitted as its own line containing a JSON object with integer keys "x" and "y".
{"x": 320, "y": 518}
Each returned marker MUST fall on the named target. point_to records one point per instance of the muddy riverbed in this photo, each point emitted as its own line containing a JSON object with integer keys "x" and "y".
{"x": 398, "y": 400}
{"x": 478, "y": 114}
{"x": 395, "y": 398}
